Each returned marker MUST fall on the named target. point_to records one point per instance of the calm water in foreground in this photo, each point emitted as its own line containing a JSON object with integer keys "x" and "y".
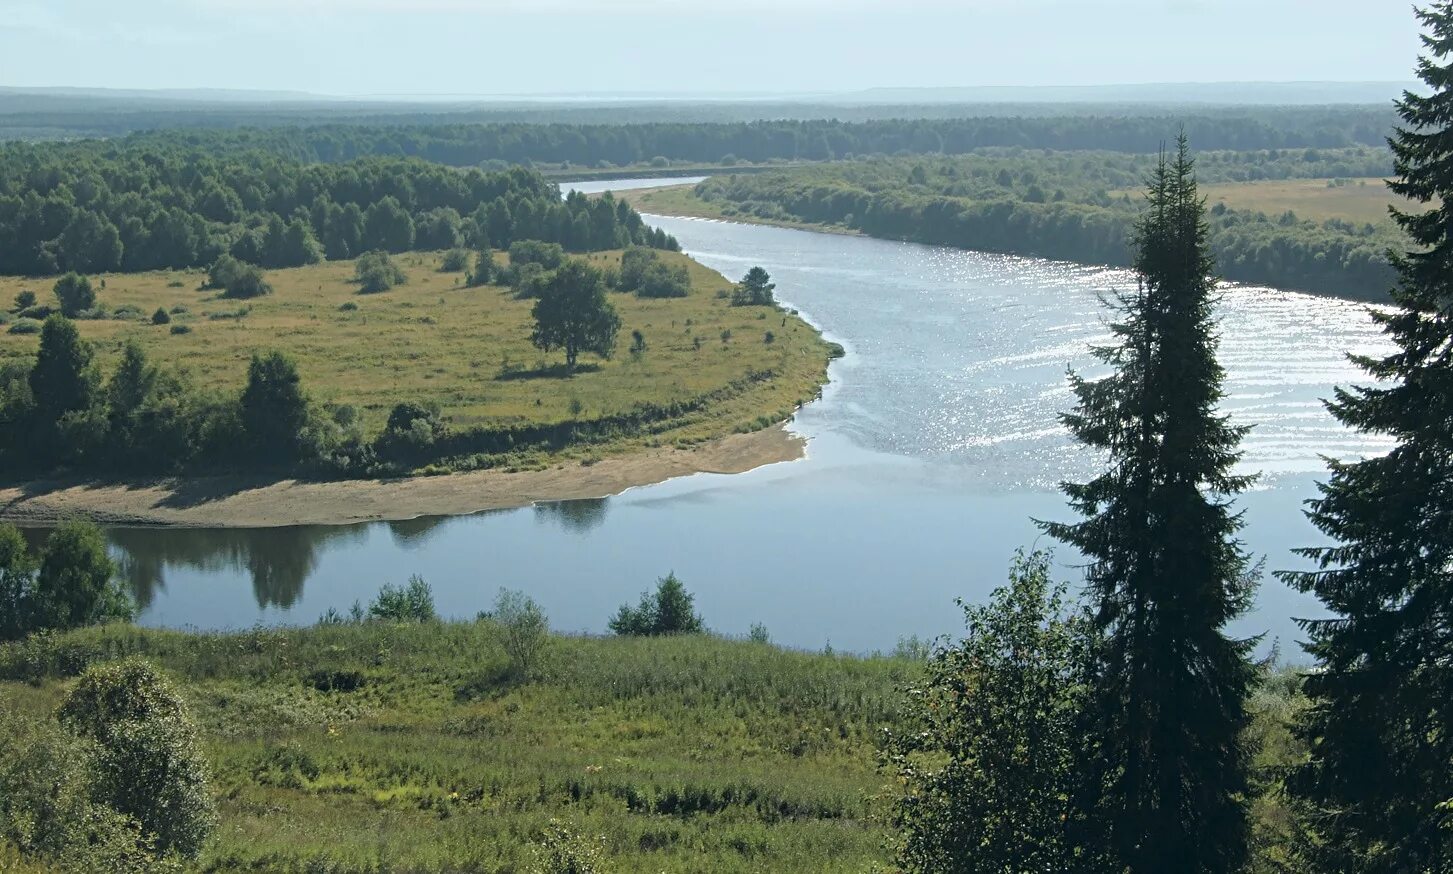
{"x": 930, "y": 454}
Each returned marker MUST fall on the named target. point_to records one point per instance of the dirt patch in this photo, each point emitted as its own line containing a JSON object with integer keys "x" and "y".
{"x": 240, "y": 502}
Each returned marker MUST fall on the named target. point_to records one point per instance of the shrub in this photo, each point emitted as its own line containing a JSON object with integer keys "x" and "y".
{"x": 161, "y": 317}
{"x": 24, "y": 299}
{"x": 46, "y": 807}
{"x": 663, "y": 280}
{"x": 24, "y": 326}
{"x": 484, "y": 270}
{"x": 755, "y": 289}
{"x": 376, "y": 271}
{"x": 562, "y": 851}
{"x": 347, "y": 306}
{"x": 547, "y": 255}
{"x": 411, "y": 603}
{"x": 668, "y": 611}
{"x": 181, "y": 329}
{"x": 73, "y": 584}
{"x": 237, "y": 279}
{"x": 638, "y": 343}
{"x": 769, "y": 338}
{"x": 75, "y": 293}
{"x": 524, "y": 627}
{"x": 455, "y": 261}
{"x": 148, "y": 764}
{"x": 988, "y": 753}
{"x": 635, "y": 261}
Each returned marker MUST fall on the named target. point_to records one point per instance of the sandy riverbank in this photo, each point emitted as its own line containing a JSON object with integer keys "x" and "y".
{"x": 240, "y": 502}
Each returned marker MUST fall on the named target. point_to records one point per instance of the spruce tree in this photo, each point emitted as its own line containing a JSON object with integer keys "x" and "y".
{"x": 1165, "y": 772}
{"x": 1380, "y": 727}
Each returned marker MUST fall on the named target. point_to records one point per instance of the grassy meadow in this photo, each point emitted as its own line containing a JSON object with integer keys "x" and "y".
{"x": 432, "y": 340}
{"x": 1353, "y": 200}
{"x": 384, "y": 747}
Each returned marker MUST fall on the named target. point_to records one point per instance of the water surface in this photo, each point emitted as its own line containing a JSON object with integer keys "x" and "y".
{"x": 930, "y": 453}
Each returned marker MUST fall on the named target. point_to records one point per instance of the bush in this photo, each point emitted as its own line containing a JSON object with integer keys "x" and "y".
{"x": 24, "y": 299}
{"x": 73, "y": 584}
{"x": 484, "y": 270}
{"x": 181, "y": 329}
{"x": 148, "y": 764}
{"x": 47, "y": 811}
{"x": 664, "y": 280}
{"x": 668, "y": 611}
{"x": 635, "y": 261}
{"x": 411, "y": 603}
{"x": 989, "y": 750}
{"x": 237, "y": 279}
{"x": 548, "y": 255}
{"x": 376, "y": 271}
{"x": 24, "y": 326}
{"x": 525, "y": 629}
{"x": 75, "y": 294}
{"x": 161, "y": 317}
{"x": 455, "y": 261}
{"x": 562, "y": 851}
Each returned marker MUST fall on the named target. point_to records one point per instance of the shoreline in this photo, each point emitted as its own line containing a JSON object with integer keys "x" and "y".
{"x": 249, "y": 502}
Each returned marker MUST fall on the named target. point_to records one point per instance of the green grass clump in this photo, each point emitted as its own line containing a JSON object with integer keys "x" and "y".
{"x": 414, "y": 746}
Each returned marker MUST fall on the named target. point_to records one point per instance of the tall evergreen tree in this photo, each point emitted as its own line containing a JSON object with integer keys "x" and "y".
{"x": 1381, "y": 722}
{"x": 1165, "y": 778}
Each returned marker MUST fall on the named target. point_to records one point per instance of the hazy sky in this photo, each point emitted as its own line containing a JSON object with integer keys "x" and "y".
{"x": 513, "y": 46}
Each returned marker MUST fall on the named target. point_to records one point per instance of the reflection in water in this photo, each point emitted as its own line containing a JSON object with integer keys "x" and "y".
{"x": 412, "y": 533}
{"x": 576, "y": 517}
{"x": 278, "y": 560}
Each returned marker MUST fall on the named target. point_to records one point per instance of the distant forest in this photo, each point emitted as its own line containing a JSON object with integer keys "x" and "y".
{"x": 595, "y": 145}
{"x": 1079, "y": 207}
{"x": 95, "y": 206}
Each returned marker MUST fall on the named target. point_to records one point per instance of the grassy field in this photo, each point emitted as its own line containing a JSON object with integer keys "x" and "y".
{"x": 676, "y": 754}
{"x": 468, "y": 350}
{"x": 1356, "y": 200}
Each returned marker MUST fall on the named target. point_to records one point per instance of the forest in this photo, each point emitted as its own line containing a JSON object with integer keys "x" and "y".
{"x": 1079, "y": 207}
{"x": 95, "y": 207}
{"x": 594, "y": 145}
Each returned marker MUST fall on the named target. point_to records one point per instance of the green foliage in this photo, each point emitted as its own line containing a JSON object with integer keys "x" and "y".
{"x": 161, "y": 317}
{"x": 484, "y": 269}
{"x": 411, "y": 603}
{"x": 24, "y": 300}
{"x": 667, "y": 611}
{"x": 990, "y": 742}
{"x": 664, "y": 280}
{"x": 524, "y": 631}
{"x": 47, "y": 807}
{"x": 1165, "y": 781}
{"x": 274, "y": 409}
{"x": 75, "y": 294}
{"x": 375, "y": 272}
{"x": 63, "y": 381}
{"x": 1380, "y": 724}
{"x": 755, "y": 289}
{"x": 73, "y": 584}
{"x": 183, "y": 205}
{"x": 455, "y": 261}
{"x": 983, "y": 202}
{"x": 548, "y": 255}
{"x": 237, "y": 279}
{"x": 562, "y": 851}
{"x": 148, "y": 764}
{"x": 573, "y": 314}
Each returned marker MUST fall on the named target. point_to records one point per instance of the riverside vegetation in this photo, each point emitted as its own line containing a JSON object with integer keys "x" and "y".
{"x": 1080, "y": 206}
{"x": 1125, "y": 732}
{"x": 174, "y": 395}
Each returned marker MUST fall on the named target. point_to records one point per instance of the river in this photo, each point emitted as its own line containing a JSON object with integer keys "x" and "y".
{"x": 932, "y": 450}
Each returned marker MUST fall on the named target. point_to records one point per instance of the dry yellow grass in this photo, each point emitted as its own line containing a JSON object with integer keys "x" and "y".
{"x": 1356, "y": 200}
{"x": 432, "y": 340}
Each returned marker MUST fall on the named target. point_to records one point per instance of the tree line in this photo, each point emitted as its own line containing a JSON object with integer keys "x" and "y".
{"x": 1076, "y": 208}
{"x": 592, "y": 145}
{"x": 96, "y": 206}
{"x": 1111, "y": 735}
